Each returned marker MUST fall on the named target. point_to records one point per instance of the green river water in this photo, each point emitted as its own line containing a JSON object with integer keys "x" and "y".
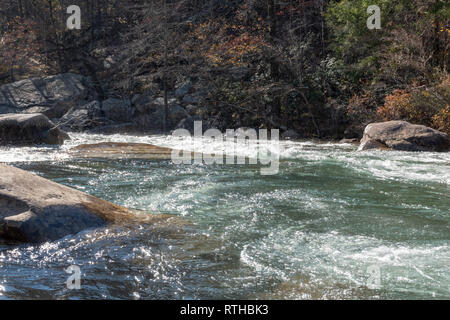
{"x": 315, "y": 230}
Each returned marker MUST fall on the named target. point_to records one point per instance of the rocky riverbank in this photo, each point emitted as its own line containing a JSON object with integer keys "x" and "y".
{"x": 34, "y": 209}
{"x": 73, "y": 104}
{"x": 40, "y": 110}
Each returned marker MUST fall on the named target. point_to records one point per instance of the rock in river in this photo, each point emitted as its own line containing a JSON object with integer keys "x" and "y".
{"x": 118, "y": 150}
{"x": 34, "y": 209}
{"x": 403, "y": 136}
{"x": 29, "y": 129}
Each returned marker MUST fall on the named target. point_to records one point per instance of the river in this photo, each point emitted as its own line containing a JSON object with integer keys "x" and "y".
{"x": 334, "y": 223}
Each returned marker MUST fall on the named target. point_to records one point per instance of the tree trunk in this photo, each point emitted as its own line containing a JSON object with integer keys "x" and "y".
{"x": 271, "y": 12}
{"x": 166, "y": 104}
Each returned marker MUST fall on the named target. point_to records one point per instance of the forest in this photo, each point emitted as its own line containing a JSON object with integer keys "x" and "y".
{"x": 308, "y": 66}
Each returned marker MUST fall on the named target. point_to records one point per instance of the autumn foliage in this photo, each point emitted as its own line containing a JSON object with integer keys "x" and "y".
{"x": 428, "y": 106}
{"x": 398, "y": 106}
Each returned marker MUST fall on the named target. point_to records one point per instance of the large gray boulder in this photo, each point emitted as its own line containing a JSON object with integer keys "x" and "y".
{"x": 51, "y": 95}
{"x": 403, "y": 136}
{"x": 84, "y": 118}
{"x": 93, "y": 118}
{"x": 34, "y": 209}
{"x": 29, "y": 129}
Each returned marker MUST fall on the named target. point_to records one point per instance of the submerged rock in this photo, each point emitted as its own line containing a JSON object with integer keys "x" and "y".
{"x": 34, "y": 209}
{"x": 117, "y": 150}
{"x": 135, "y": 151}
{"x": 403, "y": 136}
{"x": 29, "y": 129}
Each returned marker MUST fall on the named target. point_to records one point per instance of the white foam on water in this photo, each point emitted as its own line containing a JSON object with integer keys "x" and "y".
{"x": 344, "y": 260}
{"x": 426, "y": 166}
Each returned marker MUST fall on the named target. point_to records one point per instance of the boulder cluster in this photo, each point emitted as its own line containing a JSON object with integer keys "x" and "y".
{"x": 72, "y": 103}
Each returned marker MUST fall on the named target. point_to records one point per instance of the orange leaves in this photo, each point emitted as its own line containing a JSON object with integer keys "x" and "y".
{"x": 361, "y": 107}
{"x": 441, "y": 121}
{"x": 444, "y": 86}
{"x": 229, "y": 43}
{"x": 397, "y": 106}
{"x": 235, "y": 49}
{"x": 428, "y": 106}
{"x": 357, "y": 102}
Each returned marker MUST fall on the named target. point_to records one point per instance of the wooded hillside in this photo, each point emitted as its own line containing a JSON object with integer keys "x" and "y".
{"x": 311, "y": 66}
